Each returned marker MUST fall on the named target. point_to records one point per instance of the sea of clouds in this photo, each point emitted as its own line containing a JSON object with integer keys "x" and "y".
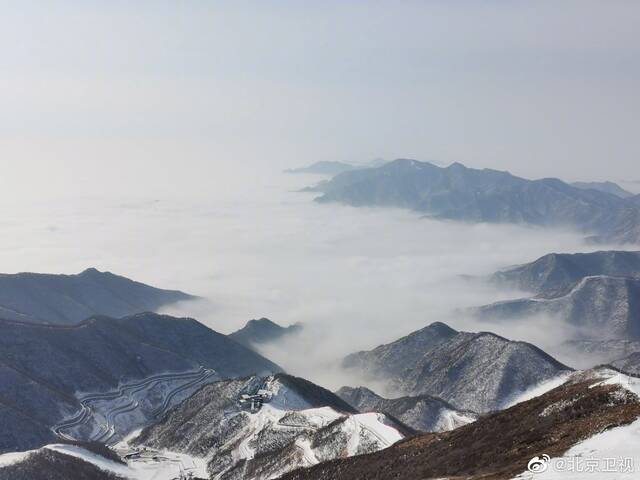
{"x": 355, "y": 277}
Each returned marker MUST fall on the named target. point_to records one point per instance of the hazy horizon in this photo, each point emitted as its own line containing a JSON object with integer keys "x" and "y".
{"x": 153, "y": 100}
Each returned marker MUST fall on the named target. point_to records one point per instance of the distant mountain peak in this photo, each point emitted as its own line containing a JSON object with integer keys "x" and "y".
{"x": 404, "y": 162}
{"x": 263, "y": 321}
{"x": 90, "y": 271}
{"x": 457, "y": 166}
{"x": 360, "y": 390}
{"x": 440, "y": 327}
{"x": 433, "y": 332}
{"x": 262, "y": 331}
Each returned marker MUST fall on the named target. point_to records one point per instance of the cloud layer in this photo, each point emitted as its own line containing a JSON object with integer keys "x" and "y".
{"x": 355, "y": 277}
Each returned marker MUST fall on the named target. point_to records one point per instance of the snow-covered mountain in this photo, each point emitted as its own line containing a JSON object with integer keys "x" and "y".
{"x": 259, "y": 428}
{"x": 69, "y": 299}
{"x": 595, "y": 294}
{"x": 422, "y": 412}
{"x": 139, "y": 366}
{"x": 556, "y": 274}
{"x": 472, "y": 371}
{"x": 263, "y": 331}
{"x": 594, "y": 414}
{"x": 600, "y": 307}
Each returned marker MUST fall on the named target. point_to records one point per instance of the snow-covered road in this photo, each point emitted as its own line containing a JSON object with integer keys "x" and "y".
{"x": 104, "y": 408}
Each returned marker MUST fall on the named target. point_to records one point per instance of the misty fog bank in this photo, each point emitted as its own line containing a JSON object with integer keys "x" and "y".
{"x": 355, "y": 277}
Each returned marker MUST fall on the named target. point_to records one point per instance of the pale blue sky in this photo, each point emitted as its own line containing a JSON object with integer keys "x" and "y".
{"x": 175, "y": 96}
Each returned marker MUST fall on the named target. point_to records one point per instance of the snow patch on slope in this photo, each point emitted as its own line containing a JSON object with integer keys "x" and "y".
{"x": 614, "y": 454}
{"x": 452, "y": 419}
{"x": 283, "y": 397}
{"x": 538, "y": 389}
{"x": 628, "y": 382}
{"x": 619, "y": 444}
{"x": 7, "y": 459}
{"x": 89, "y": 457}
{"x": 149, "y": 465}
{"x": 374, "y": 424}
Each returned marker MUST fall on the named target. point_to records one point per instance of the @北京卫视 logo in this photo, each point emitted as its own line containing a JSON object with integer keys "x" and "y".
{"x": 539, "y": 464}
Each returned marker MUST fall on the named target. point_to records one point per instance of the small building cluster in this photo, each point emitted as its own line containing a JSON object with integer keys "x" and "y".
{"x": 255, "y": 401}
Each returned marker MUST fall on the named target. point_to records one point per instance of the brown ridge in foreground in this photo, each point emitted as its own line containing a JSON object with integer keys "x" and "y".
{"x": 498, "y": 445}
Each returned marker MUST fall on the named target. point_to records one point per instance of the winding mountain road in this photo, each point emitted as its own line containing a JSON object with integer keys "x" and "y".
{"x": 126, "y": 392}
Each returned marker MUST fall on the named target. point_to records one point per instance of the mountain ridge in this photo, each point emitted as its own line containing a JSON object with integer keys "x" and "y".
{"x": 555, "y": 273}
{"x": 472, "y": 371}
{"x": 423, "y": 412}
{"x": 607, "y": 187}
{"x": 602, "y": 307}
{"x": 461, "y": 193}
{"x": 68, "y": 299}
{"x": 324, "y": 168}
